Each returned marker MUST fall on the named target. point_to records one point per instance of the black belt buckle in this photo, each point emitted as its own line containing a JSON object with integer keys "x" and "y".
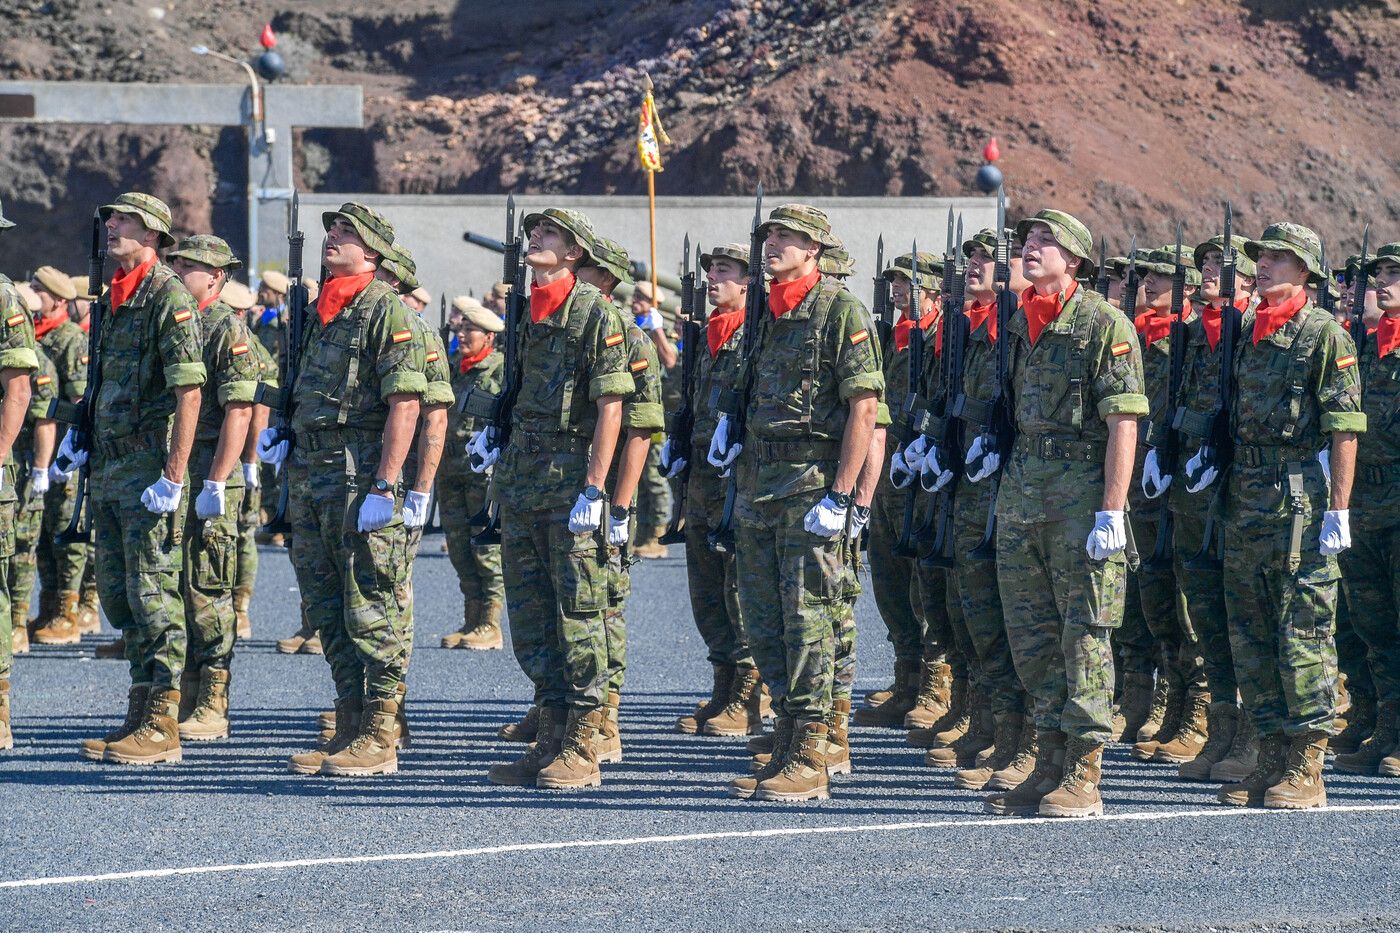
{"x": 1046, "y": 448}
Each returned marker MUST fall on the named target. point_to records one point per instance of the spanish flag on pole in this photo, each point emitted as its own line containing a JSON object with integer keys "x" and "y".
{"x": 650, "y": 135}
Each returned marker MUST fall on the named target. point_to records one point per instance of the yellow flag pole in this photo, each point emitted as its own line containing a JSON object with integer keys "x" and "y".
{"x": 651, "y": 206}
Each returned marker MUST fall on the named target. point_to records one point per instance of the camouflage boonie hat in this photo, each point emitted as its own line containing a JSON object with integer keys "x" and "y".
{"x": 609, "y": 255}
{"x": 149, "y": 209}
{"x": 1163, "y": 261}
{"x": 985, "y": 238}
{"x": 804, "y": 219}
{"x": 836, "y": 262}
{"x": 1292, "y": 238}
{"x": 930, "y": 277}
{"x": 1069, "y": 232}
{"x": 1243, "y": 264}
{"x": 4, "y": 223}
{"x": 575, "y": 222}
{"x": 57, "y": 283}
{"x": 376, "y": 232}
{"x": 1390, "y": 252}
{"x": 207, "y": 249}
{"x": 398, "y": 262}
{"x": 739, "y": 252}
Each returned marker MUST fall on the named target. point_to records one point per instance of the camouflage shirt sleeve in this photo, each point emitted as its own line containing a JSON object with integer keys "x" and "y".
{"x": 180, "y": 333}
{"x": 236, "y": 373}
{"x": 44, "y": 389}
{"x": 267, "y": 366}
{"x": 1119, "y": 385}
{"x": 399, "y": 360}
{"x": 71, "y": 360}
{"x": 439, "y": 390}
{"x": 1339, "y": 383}
{"x": 857, "y": 353}
{"x": 607, "y": 357}
{"x": 642, "y": 409}
{"x": 17, "y": 347}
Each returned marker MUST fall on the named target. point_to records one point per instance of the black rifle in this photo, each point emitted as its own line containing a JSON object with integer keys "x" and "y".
{"x": 950, "y": 445}
{"x": 1101, "y": 283}
{"x": 999, "y": 432}
{"x": 84, "y": 416}
{"x": 282, "y": 400}
{"x": 881, "y": 307}
{"x": 1170, "y": 451}
{"x": 1219, "y": 449}
{"x": 1324, "y": 289}
{"x": 1358, "y": 297}
{"x": 721, "y": 537}
{"x": 914, "y": 404}
{"x": 681, "y": 430}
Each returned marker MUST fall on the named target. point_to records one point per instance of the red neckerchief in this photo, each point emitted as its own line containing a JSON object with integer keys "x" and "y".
{"x": 208, "y": 301}
{"x": 1041, "y": 310}
{"x": 979, "y": 313}
{"x": 338, "y": 292}
{"x": 1269, "y": 318}
{"x": 124, "y": 284}
{"x": 469, "y": 361}
{"x": 1210, "y": 320}
{"x": 1152, "y": 326}
{"x": 902, "y": 329}
{"x": 546, "y": 299}
{"x": 721, "y": 326}
{"x": 784, "y": 296}
{"x": 1387, "y": 334}
{"x": 86, "y": 322}
{"x": 49, "y": 323}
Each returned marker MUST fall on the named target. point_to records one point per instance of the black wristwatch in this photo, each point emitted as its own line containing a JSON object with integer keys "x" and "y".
{"x": 842, "y": 499}
{"x": 592, "y": 493}
{"x": 383, "y": 486}
{"x": 619, "y": 513}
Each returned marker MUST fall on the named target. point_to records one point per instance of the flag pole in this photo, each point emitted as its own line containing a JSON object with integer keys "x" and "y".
{"x": 651, "y": 206}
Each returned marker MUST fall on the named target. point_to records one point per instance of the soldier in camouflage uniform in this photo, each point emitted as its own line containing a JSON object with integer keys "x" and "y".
{"x": 33, "y": 450}
{"x": 462, "y": 493}
{"x": 1297, "y": 382}
{"x": 654, "y": 492}
{"x": 567, "y": 417}
{"x": 1076, "y": 393}
{"x": 145, "y": 418}
{"x": 807, "y": 442}
{"x": 360, "y": 381}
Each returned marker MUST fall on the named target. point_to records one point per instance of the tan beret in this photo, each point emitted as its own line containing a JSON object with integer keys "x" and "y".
{"x": 464, "y": 303}
{"x": 80, "y": 286}
{"x": 56, "y": 283}
{"x": 478, "y": 315}
{"x": 313, "y": 287}
{"x": 238, "y": 296}
{"x": 500, "y": 290}
{"x": 276, "y": 281}
{"x": 30, "y": 296}
{"x": 644, "y": 287}
{"x": 422, "y": 295}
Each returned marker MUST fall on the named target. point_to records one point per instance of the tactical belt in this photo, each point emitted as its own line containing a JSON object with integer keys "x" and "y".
{"x": 1272, "y": 455}
{"x": 1379, "y": 474}
{"x": 1048, "y": 447}
{"x": 123, "y": 446}
{"x": 337, "y": 438}
{"x": 796, "y": 451}
{"x": 531, "y": 442}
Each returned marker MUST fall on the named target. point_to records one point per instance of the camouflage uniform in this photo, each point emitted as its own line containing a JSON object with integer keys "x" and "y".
{"x": 17, "y": 351}
{"x": 62, "y": 566}
{"x": 462, "y": 493}
{"x": 43, "y": 383}
{"x": 250, "y": 512}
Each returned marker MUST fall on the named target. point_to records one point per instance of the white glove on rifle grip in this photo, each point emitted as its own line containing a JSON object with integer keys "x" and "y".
{"x": 1153, "y": 482}
{"x": 722, "y": 453}
{"x": 980, "y": 455}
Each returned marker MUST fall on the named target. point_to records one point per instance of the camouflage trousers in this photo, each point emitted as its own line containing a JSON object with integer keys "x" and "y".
{"x": 1161, "y": 605}
{"x": 714, "y": 588}
{"x": 653, "y": 493}
{"x": 138, "y": 555}
{"x": 1351, "y": 650}
{"x": 895, "y": 579}
{"x": 352, "y": 582}
{"x": 62, "y": 567}
{"x": 24, "y": 565}
{"x": 1204, "y": 591}
{"x": 9, "y": 509}
{"x": 979, "y": 613}
{"x": 795, "y": 592}
{"x": 940, "y": 607}
{"x": 461, "y": 495}
{"x": 1060, "y": 607}
{"x": 557, "y": 598}
{"x": 210, "y": 573}
{"x": 620, "y": 563}
{"x": 1371, "y": 571}
{"x": 246, "y": 567}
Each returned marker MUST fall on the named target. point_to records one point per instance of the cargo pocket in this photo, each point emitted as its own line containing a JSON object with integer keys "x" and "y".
{"x": 213, "y": 565}
{"x": 824, "y": 570}
{"x": 1108, "y": 584}
{"x": 582, "y": 575}
{"x": 1312, "y": 609}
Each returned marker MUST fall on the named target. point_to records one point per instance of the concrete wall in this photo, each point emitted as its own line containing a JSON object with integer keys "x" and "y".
{"x": 432, "y": 226}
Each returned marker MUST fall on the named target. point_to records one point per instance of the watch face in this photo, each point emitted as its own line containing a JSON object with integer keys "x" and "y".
{"x": 592, "y": 493}
{"x": 618, "y": 513}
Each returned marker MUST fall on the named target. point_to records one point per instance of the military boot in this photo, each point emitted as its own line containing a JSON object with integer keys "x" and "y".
{"x": 1268, "y": 771}
{"x": 962, "y": 751}
{"x": 1380, "y": 745}
{"x": 780, "y": 742}
{"x": 957, "y": 712}
{"x": 189, "y": 692}
{"x": 486, "y": 635}
{"x": 48, "y": 608}
{"x": 803, "y": 775}
{"x": 1005, "y": 744}
{"x": 209, "y": 718}
{"x": 374, "y": 750}
{"x": 875, "y": 697}
{"x": 939, "y": 693}
{"x": 1300, "y": 787}
{"x": 1135, "y": 704}
{"x": 890, "y": 714}
{"x": 721, "y": 687}
{"x": 1239, "y": 762}
{"x": 1361, "y": 722}
{"x": 549, "y": 738}
{"x": 1222, "y": 721}
{"x": 89, "y": 612}
{"x": 156, "y": 737}
{"x": 55, "y": 625}
{"x": 740, "y": 714}
{"x": 347, "y": 726}
{"x": 7, "y": 739}
{"x": 1078, "y": 791}
{"x": 523, "y": 729}
{"x": 95, "y": 749}
{"x": 838, "y": 738}
{"x": 403, "y": 738}
{"x": 1022, "y": 763}
{"x": 1024, "y": 799}
{"x": 1146, "y": 747}
{"x": 1191, "y": 733}
{"x": 650, "y": 546}
{"x": 293, "y": 644}
{"x": 607, "y": 744}
{"x": 312, "y": 645}
{"x": 471, "y": 612}
{"x": 576, "y": 765}
{"x": 243, "y": 629}
{"x": 1390, "y": 765}
{"x": 112, "y": 650}
{"x": 19, "y": 630}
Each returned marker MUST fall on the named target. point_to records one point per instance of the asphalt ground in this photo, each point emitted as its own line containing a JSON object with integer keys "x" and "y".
{"x": 228, "y": 840}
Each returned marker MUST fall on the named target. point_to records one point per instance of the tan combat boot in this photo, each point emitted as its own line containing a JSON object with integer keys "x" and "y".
{"x": 549, "y": 737}
{"x": 189, "y": 693}
{"x": 722, "y": 686}
{"x": 19, "y": 630}
{"x": 242, "y": 597}
{"x": 1268, "y": 771}
{"x": 55, "y": 625}
{"x": 292, "y": 644}
{"x": 403, "y": 738}
{"x": 1381, "y": 744}
{"x": 312, "y": 645}
{"x": 962, "y": 750}
{"x": 838, "y": 738}
{"x": 1300, "y": 787}
{"x": 156, "y": 737}
{"x": 95, "y": 749}
{"x": 347, "y": 726}
{"x": 780, "y": 743}
{"x": 112, "y": 650}
{"x": 1135, "y": 704}
{"x": 875, "y": 697}
{"x": 7, "y": 738}
{"x": 1022, "y": 763}
{"x": 607, "y": 743}
{"x": 890, "y": 713}
{"x": 374, "y": 750}
{"x": 1006, "y": 744}
{"x": 523, "y": 729}
{"x": 939, "y": 693}
{"x": 1390, "y": 765}
{"x": 1024, "y": 799}
{"x": 209, "y": 718}
{"x": 650, "y": 546}
{"x": 1222, "y": 722}
{"x": 803, "y": 775}
{"x": 1192, "y": 731}
{"x": 1146, "y": 747}
{"x": 1156, "y": 713}
{"x": 740, "y": 714}
{"x": 576, "y": 765}
{"x": 1361, "y": 722}
{"x": 48, "y": 608}
{"x": 928, "y": 737}
{"x": 486, "y": 635}
{"x": 471, "y": 612}
{"x": 1078, "y": 790}
{"x": 89, "y": 614}
{"x": 1239, "y": 762}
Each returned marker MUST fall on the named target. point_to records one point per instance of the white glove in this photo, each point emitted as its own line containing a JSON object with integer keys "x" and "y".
{"x": 932, "y": 476}
{"x": 617, "y": 531}
{"x": 39, "y": 481}
{"x": 482, "y": 451}
{"x": 655, "y": 321}
{"x": 985, "y": 460}
{"x": 69, "y": 459}
{"x": 57, "y": 475}
{"x": 162, "y": 496}
{"x": 270, "y": 449}
{"x": 900, "y": 473}
{"x": 415, "y": 508}
{"x": 826, "y": 518}
{"x": 859, "y": 519}
{"x": 210, "y": 502}
{"x": 722, "y": 453}
{"x": 1108, "y": 536}
{"x": 672, "y": 464}
{"x": 1324, "y": 457}
{"x": 1205, "y": 477}
{"x": 375, "y": 512}
{"x": 915, "y": 452}
{"x": 1336, "y": 533}
{"x": 252, "y": 476}
{"x": 1153, "y": 482}
{"x": 585, "y": 515}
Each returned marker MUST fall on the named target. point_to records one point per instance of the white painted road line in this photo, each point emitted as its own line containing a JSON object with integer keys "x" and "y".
{"x": 999, "y": 821}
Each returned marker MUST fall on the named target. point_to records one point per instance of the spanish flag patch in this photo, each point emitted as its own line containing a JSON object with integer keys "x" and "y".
{"x": 432, "y": 356}
{"x": 14, "y": 320}
{"x": 183, "y": 316}
{"x": 239, "y": 349}
{"x": 639, "y": 366}
{"x": 43, "y": 380}
{"x": 613, "y": 340}
{"x": 1118, "y": 349}
{"x": 401, "y": 335}
{"x": 860, "y": 336}
{"x": 1345, "y": 361}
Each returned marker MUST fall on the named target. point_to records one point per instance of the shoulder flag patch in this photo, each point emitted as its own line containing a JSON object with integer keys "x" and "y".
{"x": 14, "y": 320}
{"x": 860, "y": 336}
{"x": 1118, "y": 349}
{"x": 1345, "y": 361}
{"x": 613, "y": 340}
{"x": 238, "y": 349}
{"x": 43, "y": 380}
{"x": 400, "y": 336}
{"x": 432, "y": 356}
{"x": 183, "y": 316}
{"x": 639, "y": 366}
